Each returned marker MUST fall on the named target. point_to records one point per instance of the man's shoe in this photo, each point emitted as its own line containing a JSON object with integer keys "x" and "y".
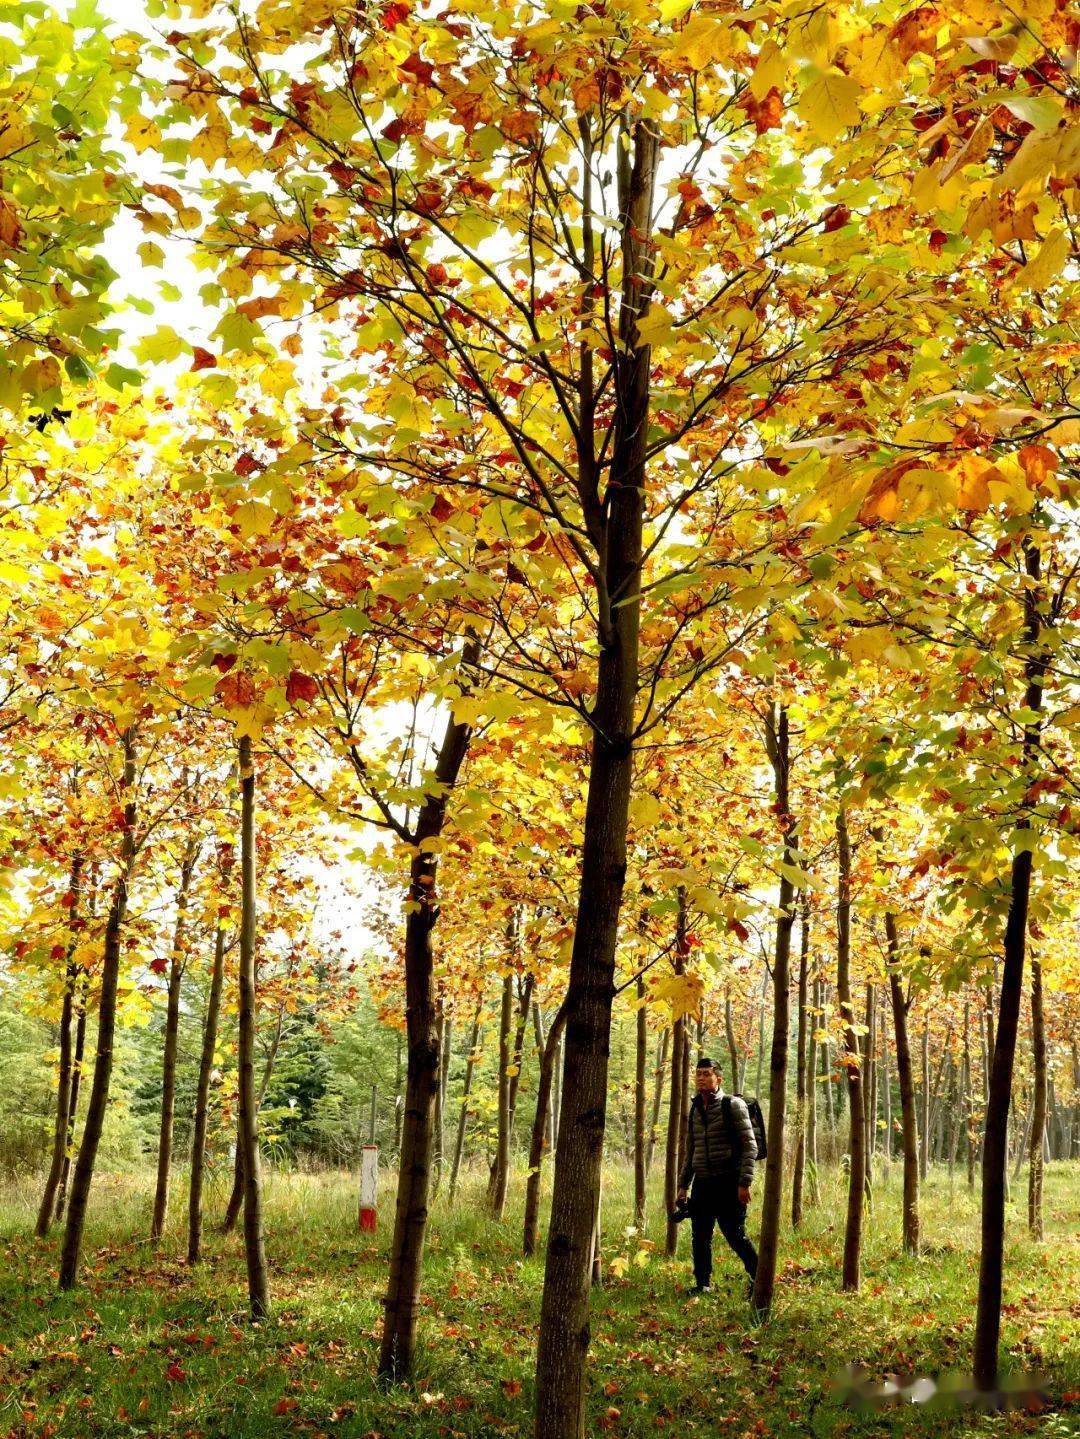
{"x": 700, "y": 1289}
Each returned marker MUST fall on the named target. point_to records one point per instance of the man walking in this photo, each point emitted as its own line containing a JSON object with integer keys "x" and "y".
{"x": 720, "y": 1154}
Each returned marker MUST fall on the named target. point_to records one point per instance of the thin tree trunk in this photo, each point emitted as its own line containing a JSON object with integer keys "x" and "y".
{"x": 988, "y": 1315}
{"x": 733, "y": 1048}
{"x": 76, "y": 1083}
{"x": 177, "y": 960}
{"x": 857, "y": 1172}
{"x": 812, "y": 1107}
{"x": 658, "y": 1095}
{"x": 886, "y": 1086}
{"x": 906, "y": 1080}
{"x": 64, "y": 1077}
{"x": 466, "y": 1090}
{"x": 924, "y": 1149}
{"x": 826, "y": 1066}
{"x": 761, "y": 1035}
{"x": 641, "y": 1060}
{"x": 236, "y": 1198}
{"x": 969, "y": 1098}
{"x": 870, "y": 1087}
{"x": 1038, "y": 1123}
{"x": 500, "y": 1169}
{"x": 106, "y": 1029}
{"x": 777, "y": 744}
{"x": 254, "y": 1251}
{"x": 422, "y": 1069}
{"x": 671, "y": 1155}
{"x": 800, "y": 1068}
{"x": 438, "y": 1119}
{"x": 202, "y": 1100}
{"x": 539, "y": 1127}
{"x": 517, "y": 1055}
{"x": 399, "y": 1098}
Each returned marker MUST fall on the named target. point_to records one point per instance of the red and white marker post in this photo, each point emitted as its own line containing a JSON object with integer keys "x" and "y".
{"x": 369, "y": 1186}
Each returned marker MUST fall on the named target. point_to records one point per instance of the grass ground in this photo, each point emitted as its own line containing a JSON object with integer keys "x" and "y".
{"x": 148, "y": 1349}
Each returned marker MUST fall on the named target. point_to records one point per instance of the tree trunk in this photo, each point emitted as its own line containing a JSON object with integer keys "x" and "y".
{"x": 202, "y": 1100}
{"x": 800, "y": 1069}
{"x": 886, "y": 1088}
{"x": 500, "y": 1169}
{"x": 988, "y": 1315}
{"x": 177, "y": 961}
{"x": 399, "y": 1098}
{"x": 1038, "y": 1122}
{"x": 826, "y": 1066}
{"x": 811, "y": 1113}
{"x": 733, "y": 1048}
{"x": 658, "y": 1095}
{"x": 254, "y": 1251}
{"x": 969, "y": 1098}
{"x": 439, "y": 1117}
{"x": 540, "y": 1126}
{"x": 671, "y": 1154}
{"x": 466, "y": 1090}
{"x": 563, "y": 1340}
{"x": 777, "y": 744}
{"x": 422, "y": 1067}
{"x": 857, "y": 1130}
{"x": 236, "y": 1194}
{"x": 641, "y": 1060}
{"x": 870, "y": 1088}
{"x": 76, "y": 1083}
{"x": 64, "y": 1079}
{"x": 103, "y": 1058}
{"x": 906, "y": 1080}
{"x": 525, "y": 995}
{"x": 924, "y": 1149}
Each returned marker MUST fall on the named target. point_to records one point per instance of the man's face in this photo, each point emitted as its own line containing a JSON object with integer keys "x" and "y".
{"x": 708, "y": 1081}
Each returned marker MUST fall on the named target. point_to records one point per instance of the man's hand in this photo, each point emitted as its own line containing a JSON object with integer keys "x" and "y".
{"x": 744, "y": 1195}
{"x": 680, "y": 1196}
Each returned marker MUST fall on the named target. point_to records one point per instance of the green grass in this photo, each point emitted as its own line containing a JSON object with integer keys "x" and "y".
{"x": 146, "y": 1348}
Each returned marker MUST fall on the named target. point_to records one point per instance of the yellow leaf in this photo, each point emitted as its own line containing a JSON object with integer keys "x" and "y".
{"x": 1048, "y": 263}
{"x": 142, "y": 133}
{"x": 770, "y": 72}
{"x": 830, "y": 104}
{"x": 254, "y": 518}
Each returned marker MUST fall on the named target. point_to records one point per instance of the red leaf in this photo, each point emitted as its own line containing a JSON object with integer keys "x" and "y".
{"x": 286, "y": 1405}
{"x": 836, "y": 217}
{"x": 203, "y": 359}
{"x": 766, "y": 113}
{"x": 159, "y": 966}
{"x": 421, "y": 70}
{"x": 739, "y": 929}
{"x": 246, "y": 465}
{"x": 174, "y": 1373}
{"x": 937, "y": 241}
{"x": 300, "y": 687}
{"x": 393, "y": 14}
{"x": 436, "y": 274}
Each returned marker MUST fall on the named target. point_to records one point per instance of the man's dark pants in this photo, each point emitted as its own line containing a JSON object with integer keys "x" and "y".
{"x": 716, "y": 1201}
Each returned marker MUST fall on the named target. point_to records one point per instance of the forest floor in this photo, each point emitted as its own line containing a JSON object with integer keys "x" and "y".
{"x": 148, "y": 1349}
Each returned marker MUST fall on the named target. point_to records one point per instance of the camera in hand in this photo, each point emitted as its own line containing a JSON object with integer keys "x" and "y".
{"x": 680, "y": 1212}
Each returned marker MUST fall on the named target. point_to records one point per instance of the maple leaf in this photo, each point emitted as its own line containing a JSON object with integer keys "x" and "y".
{"x": 301, "y": 688}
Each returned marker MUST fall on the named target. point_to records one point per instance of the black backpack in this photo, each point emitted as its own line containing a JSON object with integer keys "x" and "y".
{"x": 757, "y": 1121}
